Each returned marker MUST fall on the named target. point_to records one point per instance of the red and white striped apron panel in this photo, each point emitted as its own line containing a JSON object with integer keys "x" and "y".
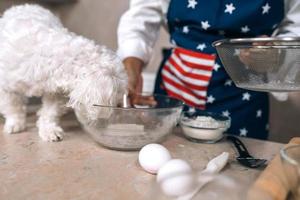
{"x": 186, "y": 75}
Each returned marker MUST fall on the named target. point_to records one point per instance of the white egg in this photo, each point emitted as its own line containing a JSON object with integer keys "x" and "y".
{"x": 153, "y": 156}
{"x": 175, "y": 178}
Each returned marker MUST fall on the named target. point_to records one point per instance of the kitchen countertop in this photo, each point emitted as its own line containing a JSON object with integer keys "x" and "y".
{"x": 78, "y": 168}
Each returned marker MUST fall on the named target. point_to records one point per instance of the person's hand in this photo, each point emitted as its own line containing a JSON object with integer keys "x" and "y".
{"x": 133, "y": 67}
{"x": 280, "y": 96}
{"x": 260, "y": 60}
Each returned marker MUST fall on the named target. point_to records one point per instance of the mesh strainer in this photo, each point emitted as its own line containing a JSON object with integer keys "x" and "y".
{"x": 262, "y": 64}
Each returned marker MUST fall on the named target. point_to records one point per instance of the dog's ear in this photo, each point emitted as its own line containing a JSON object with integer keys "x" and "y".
{"x": 103, "y": 82}
{"x": 104, "y": 90}
{"x": 89, "y": 92}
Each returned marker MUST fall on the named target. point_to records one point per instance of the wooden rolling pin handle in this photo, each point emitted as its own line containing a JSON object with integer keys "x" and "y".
{"x": 272, "y": 183}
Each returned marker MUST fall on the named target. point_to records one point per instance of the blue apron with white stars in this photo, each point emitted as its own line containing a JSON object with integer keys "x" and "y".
{"x": 195, "y": 24}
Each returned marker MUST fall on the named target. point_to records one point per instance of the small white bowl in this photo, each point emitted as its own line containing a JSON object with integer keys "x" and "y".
{"x": 203, "y": 126}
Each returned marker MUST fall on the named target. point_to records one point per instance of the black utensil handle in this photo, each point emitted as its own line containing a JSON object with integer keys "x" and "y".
{"x": 239, "y": 145}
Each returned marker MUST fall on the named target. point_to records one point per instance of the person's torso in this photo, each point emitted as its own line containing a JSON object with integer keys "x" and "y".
{"x": 195, "y": 24}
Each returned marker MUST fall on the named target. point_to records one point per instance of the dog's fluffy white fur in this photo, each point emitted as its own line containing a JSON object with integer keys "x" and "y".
{"x": 39, "y": 57}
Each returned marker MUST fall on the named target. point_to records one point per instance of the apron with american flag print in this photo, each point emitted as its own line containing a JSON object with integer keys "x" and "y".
{"x": 186, "y": 75}
{"x": 192, "y": 72}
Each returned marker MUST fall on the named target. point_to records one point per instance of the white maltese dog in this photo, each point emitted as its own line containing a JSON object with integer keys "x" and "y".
{"x": 39, "y": 57}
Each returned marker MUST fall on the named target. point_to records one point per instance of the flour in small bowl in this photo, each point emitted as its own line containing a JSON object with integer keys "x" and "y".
{"x": 204, "y": 128}
{"x": 203, "y": 122}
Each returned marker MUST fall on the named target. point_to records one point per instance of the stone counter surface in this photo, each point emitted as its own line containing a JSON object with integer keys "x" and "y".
{"x": 78, "y": 168}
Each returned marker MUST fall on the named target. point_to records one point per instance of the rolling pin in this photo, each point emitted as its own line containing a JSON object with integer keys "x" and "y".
{"x": 272, "y": 183}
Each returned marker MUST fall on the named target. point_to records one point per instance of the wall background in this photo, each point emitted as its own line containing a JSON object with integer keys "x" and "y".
{"x": 98, "y": 19}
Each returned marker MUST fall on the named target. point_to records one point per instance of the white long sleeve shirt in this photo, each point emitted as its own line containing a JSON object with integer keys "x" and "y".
{"x": 139, "y": 26}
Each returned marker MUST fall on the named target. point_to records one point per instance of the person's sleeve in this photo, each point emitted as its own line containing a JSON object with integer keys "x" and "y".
{"x": 138, "y": 29}
{"x": 290, "y": 25}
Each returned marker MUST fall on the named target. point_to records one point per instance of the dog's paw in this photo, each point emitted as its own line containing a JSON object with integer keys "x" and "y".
{"x": 53, "y": 134}
{"x": 14, "y": 126}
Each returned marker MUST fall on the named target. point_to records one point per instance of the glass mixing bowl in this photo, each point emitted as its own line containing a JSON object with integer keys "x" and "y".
{"x": 262, "y": 64}
{"x": 290, "y": 157}
{"x": 130, "y": 128}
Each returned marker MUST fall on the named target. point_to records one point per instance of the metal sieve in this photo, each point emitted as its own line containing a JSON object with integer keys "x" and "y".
{"x": 262, "y": 64}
